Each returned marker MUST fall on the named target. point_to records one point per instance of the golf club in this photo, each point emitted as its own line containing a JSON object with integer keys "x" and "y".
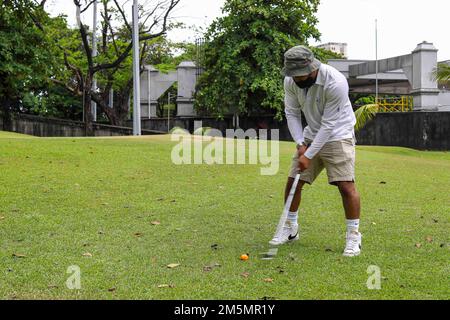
{"x": 272, "y": 252}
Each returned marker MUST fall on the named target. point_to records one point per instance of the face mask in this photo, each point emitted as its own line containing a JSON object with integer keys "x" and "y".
{"x": 308, "y": 83}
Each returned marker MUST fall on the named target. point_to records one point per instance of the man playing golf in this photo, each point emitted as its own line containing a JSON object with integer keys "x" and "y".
{"x": 321, "y": 92}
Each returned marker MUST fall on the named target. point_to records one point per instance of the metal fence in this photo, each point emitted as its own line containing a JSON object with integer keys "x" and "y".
{"x": 399, "y": 104}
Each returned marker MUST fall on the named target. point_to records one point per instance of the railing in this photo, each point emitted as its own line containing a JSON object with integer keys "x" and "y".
{"x": 401, "y": 104}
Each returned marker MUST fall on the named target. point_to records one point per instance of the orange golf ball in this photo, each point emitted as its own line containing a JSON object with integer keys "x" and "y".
{"x": 244, "y": 257}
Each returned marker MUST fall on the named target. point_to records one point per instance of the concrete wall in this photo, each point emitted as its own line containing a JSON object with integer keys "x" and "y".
{"x": 262, "y": 122}
{"x": 444, "y": 101}
{"x": 49, "y": 127}
{"x": 418, "y": 130}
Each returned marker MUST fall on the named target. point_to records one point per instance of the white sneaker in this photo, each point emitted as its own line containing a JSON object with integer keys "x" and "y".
{"x": 289, "y": 234}
{"x": 353, "y": 246}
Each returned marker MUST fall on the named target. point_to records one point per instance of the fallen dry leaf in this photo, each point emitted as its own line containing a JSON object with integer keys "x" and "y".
{"x": 418, "y": 245}
{"x": 87, "y": 254}
{"x": 173, "y": 265}
{"x": 155, "y": 223}
{"x": 269, "y": 280}
{"x": 2, "y": 217}
{"x": 245, "y": 274}
{"x": 18, "y": 255}
{"x": 52, "y": 286}
{"x": 429, "y": 239}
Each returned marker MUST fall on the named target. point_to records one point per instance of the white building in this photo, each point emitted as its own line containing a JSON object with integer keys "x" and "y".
{"x": 337, "y": 47}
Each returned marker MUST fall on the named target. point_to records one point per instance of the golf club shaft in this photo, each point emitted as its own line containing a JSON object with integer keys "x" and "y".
{"x": 287, "y": 206}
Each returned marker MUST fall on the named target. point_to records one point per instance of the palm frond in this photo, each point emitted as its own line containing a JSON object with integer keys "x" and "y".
{"x": 364, "y": 114}
{"x": 442, "y": 72}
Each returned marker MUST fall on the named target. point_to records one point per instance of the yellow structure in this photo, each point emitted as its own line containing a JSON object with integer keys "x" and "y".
{"x": 401, "y": 104}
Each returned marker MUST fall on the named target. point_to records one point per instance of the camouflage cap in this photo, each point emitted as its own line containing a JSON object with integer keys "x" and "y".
{"x": 299, "y": 61}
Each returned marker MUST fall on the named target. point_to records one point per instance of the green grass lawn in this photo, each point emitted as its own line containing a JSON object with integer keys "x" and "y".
{"x": 90, "y": 203}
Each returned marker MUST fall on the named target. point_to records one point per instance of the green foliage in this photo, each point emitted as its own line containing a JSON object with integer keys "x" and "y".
{"x": 244, "y": 54}
{"x": 30, "y": 58}
{"x": 364, "y": 114}
{"x": 57, "y": 102}
{"x": 26, "y": 57}
{"x": 365, "y": 100}
{"x": 442, "y": 73}
{"x": 171, "y": 54}
{"x": 325, "y": 55}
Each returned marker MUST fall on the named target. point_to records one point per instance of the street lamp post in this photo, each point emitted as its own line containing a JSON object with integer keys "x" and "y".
{"x": 136, "y": 73}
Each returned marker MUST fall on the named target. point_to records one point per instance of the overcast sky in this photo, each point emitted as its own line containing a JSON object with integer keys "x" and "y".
{"x": 402, "y": 24}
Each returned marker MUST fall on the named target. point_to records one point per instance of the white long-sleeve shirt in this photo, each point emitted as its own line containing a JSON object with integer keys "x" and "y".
{"x": 326, "y": 107}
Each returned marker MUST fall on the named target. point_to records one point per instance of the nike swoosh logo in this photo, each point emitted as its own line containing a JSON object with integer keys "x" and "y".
{"x": 290, "y": 238}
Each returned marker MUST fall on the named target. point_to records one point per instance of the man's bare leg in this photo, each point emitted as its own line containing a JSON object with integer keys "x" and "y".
{"x": 352, "y": 207}
{"x": 350, "y": 199}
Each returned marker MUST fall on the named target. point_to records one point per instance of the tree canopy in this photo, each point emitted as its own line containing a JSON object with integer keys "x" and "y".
{"x": 27, "y": 55}
{"x": 244, "y": 54}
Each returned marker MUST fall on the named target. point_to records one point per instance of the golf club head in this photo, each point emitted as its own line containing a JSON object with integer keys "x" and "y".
{"x": 269, "y": 255}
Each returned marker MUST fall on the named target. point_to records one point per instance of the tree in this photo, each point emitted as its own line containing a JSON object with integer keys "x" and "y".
{"x": 30, "y": 60}
{"x": 244, "y": 54}
{"x": 27, "y": 58}
{"x": 112, "y": 66}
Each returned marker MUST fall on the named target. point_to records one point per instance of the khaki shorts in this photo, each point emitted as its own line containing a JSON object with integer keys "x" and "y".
{"x": 338, "y": 157}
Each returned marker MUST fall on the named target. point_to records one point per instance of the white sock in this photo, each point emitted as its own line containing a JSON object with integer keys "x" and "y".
{"x": 352, "y": 225}
{"x": 293, "y": 217}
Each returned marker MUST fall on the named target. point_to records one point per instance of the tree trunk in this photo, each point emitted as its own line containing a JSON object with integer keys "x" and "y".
{"x": 7, "y": 108}
{"x": 87, "y": 100}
